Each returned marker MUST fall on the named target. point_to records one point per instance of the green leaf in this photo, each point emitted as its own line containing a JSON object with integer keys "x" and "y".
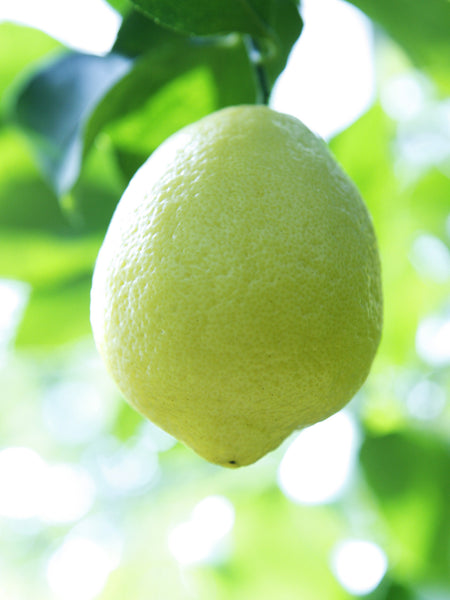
{"x": 175, "y": 80}
{"x": 20, "y": 47}
{"x": 410, "y": 474}
{"x": 193, "y": 94}
{"x": 122, "y": 6}
{"x": 275, "y": 25}
{"x": 208, "y": 17}
{"x": 287, "y": 26}
{"x": 421, "y": 28}
{"x": 56, "y": 316}
{"x": 138, "y": 34}
{"x": 45, "y": 260}
{"x": 38, "y": 244}
{"x": 54, "y": 105}
{"x": 26, "y": 201}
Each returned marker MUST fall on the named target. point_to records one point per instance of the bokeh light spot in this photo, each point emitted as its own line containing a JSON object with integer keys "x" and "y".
{"x": 359, "y": 566}
{"x": 317, "y": 465}
{"x": 79, "y": 569}
{"x": 22, "y": 472}
{"x": 198, "y": 539}
{"x": 433, "y": 340}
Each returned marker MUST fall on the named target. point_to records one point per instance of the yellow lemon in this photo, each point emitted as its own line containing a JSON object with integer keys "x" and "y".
{"x": 237, "y": 294}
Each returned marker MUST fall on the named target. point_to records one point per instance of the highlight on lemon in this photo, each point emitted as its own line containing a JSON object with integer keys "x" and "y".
{"x": 237, "y": 294}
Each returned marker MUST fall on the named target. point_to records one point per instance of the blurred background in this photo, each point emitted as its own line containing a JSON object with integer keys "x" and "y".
{"x": 95, "y": 502}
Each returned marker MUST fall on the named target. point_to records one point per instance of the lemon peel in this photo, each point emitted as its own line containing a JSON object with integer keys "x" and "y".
{"x": 237, "y": 294}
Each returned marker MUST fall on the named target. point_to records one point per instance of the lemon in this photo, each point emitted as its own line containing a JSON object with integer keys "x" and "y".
{"x": 237, "y": 294}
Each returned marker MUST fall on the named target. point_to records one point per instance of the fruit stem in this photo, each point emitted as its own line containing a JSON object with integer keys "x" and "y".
{"x": 255, "y": 55}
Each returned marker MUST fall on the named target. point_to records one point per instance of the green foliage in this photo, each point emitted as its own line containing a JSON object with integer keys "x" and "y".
{"x": 73, "y": 129}
{"x": 204, "y": 17}
{"x": 54, "y": 104}
{"x": 421, "y": 28}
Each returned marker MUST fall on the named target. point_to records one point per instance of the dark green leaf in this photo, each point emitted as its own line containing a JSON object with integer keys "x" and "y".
{"x": 287, "y": 26}
{"x": 410, "y": 474}
{"x": 20, "y": 47}
{"x": 275, "y": 25}
{"x": 397, "y": 591}
{"x": 138, "y": 34}
{"x": 208, "y": 17}
{"x": 421, "y": 28}
{"x": 54, "y": 105}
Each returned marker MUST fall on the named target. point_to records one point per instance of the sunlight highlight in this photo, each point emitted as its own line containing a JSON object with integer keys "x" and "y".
{"x": 359, "y": 566}
{"x": 79, "y": 569}
{"x": 431, "y": 258}
{"x": 329, "y": 80}
{"x": 75, "y": 411}
{"x": 69, "y": 494}
{"x": 426, "y": 400}
{"x": 433, "y": 340}
{"x": 13, "y": 300}
{"x": 84, "y": 25}
{"x": 199, "y": 539}
{"x": 22, "y": 471}
{"x": 317, "y": 465}
{"x": 33, "y": 489}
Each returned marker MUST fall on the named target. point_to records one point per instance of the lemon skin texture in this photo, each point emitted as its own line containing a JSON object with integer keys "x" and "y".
{"x": 237, "y": 294}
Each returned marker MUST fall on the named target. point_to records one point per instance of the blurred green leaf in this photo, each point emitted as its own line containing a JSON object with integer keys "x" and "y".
{"x": 56, "y": 316}
{"x": 26, "y": 201}
{"x": 421, "y": 28}
{"x": 20, "y": 47}
{"x": 45, "y": 260}
{"x": 54, "y": 105}
{"x": 410, "y": 474}
{"x": 38, "y": 244}
{"x": 397, "y": 591}
{"x": 122, "y": 6}
{"x": 99, "y": 188}
{"x": 64, "y": 106}
{"x": 127, "y": 422}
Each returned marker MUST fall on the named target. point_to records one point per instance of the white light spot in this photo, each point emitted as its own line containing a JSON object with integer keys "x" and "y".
{"x": 198, "y": 540}
{"x": 68, "y": 494}
{"x": 85, "y": 25}
{"x": 127, "y": 468}
{"x": 22, "y": 472}
{"x": 359, "y": 566}
{"x": 404, "y": 96}
{"x": 431, "y": 257}
{"x": 426, "y": 400}
{"x": 75, "y": 412}
{"x": 79, "y": 569}
{"x": 13, "y": 299}
{"x": 329, "y": 80}
{"x": 215, "y": 514}
{"x": 30, "y": 488}
{"x": 433, "y": 340}
{"x": 317, "y": 465}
